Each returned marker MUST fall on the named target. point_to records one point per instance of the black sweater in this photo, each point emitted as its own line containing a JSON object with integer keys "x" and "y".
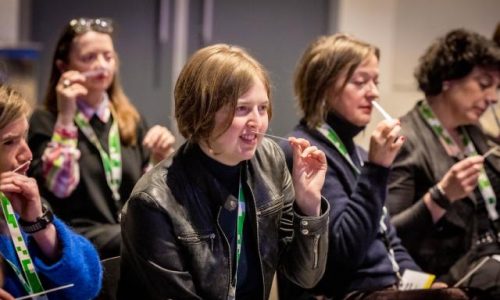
{"x": 357, "y": 258}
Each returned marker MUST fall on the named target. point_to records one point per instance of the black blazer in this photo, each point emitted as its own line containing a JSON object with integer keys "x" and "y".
{"x": 421, "y": 163}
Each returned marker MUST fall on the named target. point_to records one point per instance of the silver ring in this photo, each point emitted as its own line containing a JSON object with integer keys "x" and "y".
{"x": 66, "y": 83}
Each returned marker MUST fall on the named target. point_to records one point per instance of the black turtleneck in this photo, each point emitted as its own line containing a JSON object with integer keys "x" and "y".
{"x": 346, "y": 132}
{"x": 248, "y": 283}
{"x": 228, "y": 176}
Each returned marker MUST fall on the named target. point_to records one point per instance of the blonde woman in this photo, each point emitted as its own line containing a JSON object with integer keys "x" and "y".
{"x": 90, "y": 144}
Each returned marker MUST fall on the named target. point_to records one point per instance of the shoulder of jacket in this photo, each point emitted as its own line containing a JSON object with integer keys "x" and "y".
{"x": 152, "y": 188}
{"x": 269, "y": 154}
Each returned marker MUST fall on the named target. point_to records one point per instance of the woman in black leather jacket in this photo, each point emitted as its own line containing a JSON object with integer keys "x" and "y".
{"x": 217, "y": 220}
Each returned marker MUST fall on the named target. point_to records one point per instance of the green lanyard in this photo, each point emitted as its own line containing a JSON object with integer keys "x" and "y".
{"x": 484, "y": 183}
{"x": 112, "y": 163}
{"x": 334, "y": 139}
{"x": 32, "y": 283}
{"x": 239, "y": 237}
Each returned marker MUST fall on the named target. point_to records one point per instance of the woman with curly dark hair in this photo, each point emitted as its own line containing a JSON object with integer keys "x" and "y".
{"x": 444, "y": 192}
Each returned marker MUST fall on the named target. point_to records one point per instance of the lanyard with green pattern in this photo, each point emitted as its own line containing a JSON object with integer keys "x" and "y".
{"x": 112, "y": 163}
{"x": 451, "y": 147}
{"x": 334, "y": 139}
{"x": 239, "y": 237}
{"x": 30, "y": 281}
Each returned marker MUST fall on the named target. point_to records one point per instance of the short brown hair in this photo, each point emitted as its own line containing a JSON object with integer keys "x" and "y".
{"x": 12, "y": 106}
{"x": 324, "y": 62}
{"x": 214, "y": 77}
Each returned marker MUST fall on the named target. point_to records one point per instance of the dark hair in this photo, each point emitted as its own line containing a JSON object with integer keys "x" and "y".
{"x": 213, "y": 78}
{"x": 454, "y": 56}
{"x": 126, "y": 114}
{"x": 496, "y": 35}
{"x": 326, "y": 61}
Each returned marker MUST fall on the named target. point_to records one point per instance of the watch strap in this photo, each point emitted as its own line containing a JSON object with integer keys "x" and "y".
{"x": 439, "y": 197}
{"x": 41, "y": 222}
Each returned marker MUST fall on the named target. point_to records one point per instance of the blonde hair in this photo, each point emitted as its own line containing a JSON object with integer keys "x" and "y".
{"x": 214, "y": 77}
{"x": 12, "y": 106}
{"x": 126, "y": 114}
{"x": 326, "y": 61}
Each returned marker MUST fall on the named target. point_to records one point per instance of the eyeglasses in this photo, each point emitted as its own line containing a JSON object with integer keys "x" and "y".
{"x": 82, "y": 25}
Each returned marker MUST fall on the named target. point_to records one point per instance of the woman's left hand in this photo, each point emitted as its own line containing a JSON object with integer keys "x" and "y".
{"x": 308, "y": 174}
{"x": 160, "y": 142}
{"x": 23, "y": 194}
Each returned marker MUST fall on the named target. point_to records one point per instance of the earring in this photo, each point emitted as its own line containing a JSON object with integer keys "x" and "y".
{"x": 446, "y": 85}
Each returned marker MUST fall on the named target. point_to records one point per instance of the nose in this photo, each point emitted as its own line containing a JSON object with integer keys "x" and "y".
{"x": 255, "y": 118}
{"x": 102, "y": 62}
{"x": 24, "y": 152}
{"x": 372, "y": 89}
{"x": 491, "y": 96}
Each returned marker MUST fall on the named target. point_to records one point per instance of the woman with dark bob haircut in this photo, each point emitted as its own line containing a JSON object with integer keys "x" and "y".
{"x": 224, "y": 214}
{"x": 443, "y": 194}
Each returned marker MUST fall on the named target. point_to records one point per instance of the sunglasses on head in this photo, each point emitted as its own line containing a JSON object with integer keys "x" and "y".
{"x": 82, "y": 25}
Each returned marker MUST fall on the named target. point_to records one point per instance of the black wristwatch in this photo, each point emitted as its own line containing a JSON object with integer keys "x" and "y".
{"x": 41, "y": 222}
{"x": 438, "y": 196}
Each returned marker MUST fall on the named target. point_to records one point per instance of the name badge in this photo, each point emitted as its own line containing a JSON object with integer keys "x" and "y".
{"x": 413, "y": 280}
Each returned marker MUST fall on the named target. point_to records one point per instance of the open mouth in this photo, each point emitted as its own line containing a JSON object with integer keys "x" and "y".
{"x": 249, "y": 137}
{"x": 22, "y": 168}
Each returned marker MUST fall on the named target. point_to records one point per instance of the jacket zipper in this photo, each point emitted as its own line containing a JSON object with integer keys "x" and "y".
{"x": 210, "y": 237}
{"x": 269, "y": 210}
{"x": 229, "y": 254}
{"x": 316, "y": 250}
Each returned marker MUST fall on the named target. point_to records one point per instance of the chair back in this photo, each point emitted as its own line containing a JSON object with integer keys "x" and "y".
{"x": 110, "y": 278}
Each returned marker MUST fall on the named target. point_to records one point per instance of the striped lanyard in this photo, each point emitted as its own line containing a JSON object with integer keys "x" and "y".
{"x": 239, "y": 238}
{"x": 30, "y": 281}
{"x": 334, "y": 139}
{"x": 484, "y": 183}
{"x": 112, "y": 163}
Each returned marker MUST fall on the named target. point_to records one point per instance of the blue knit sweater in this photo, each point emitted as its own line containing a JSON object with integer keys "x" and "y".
{"x": 357, "y": 258}
{"x": 79, "y": 264}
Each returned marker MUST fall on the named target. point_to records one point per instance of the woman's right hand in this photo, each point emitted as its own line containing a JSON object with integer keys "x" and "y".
{"x": 68, "y": 89}
{"x": 385, "y": 143}
{"x": 461, "y": 178}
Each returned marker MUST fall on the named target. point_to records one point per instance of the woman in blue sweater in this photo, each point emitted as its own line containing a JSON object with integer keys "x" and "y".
{"x": 335, "y": 84}
{"x": 39, "y": 251}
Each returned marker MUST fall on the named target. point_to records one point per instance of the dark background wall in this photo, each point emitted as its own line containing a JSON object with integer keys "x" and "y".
{"x": 276, "y": 32}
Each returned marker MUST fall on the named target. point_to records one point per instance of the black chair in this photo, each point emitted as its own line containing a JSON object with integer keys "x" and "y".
{"x": 111, "y": 276}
